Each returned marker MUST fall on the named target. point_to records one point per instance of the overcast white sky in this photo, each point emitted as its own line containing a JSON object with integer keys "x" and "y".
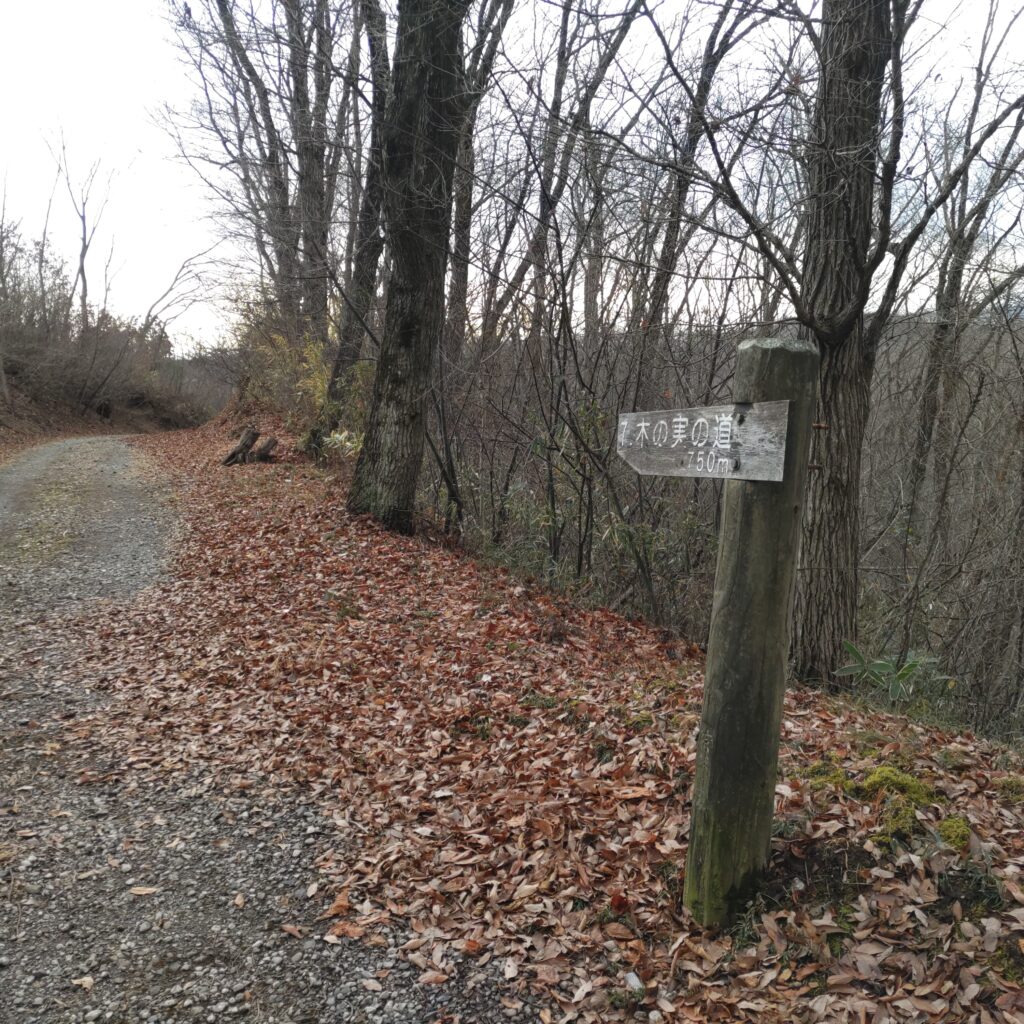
{"x": 99, "y": 73}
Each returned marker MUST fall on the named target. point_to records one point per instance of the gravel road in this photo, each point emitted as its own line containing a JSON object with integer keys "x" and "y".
{"x": 131, "y": 897}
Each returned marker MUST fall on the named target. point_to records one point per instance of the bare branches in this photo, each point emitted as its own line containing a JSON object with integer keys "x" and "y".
{"x": 188, "y": 286}
{"x": 81, "y": 194}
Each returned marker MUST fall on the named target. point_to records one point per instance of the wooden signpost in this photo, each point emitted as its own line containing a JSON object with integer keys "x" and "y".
{"x": 760, "y": 445}
{"x": 734, "y": 442}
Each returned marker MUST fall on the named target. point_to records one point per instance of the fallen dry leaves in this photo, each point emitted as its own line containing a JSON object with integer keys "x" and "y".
{"x": 509, "y": 775}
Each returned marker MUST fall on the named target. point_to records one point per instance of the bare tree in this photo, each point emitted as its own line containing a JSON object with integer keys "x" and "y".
{"x": 81, "y": 195}
{"x": 968, "y": 282}
{"x": 423, "y": 122}
{"x": 368, "y": 242}
{"x": 269, "y": 136}
{"x": 852, "y": 214}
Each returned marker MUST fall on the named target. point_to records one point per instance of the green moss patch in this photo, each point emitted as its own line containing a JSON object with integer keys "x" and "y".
{"x": 890, "y": 781}
{"x": 903, "y": 794}
{"x": 955, "y": 831}
{"x": 827, "y": 774}
{"x": 1011, "y": 787}
{"x": 897, "y": 823}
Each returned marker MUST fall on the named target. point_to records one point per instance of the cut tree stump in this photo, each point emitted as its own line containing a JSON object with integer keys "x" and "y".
{"x": 245, "y": 452}
{"x": 264, "y": 453}
{"x": 238, "y": 454}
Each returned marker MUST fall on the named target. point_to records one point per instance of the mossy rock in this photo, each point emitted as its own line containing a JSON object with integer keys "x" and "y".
{"x": 955, "y": 832}
{"x": 886, "y": 779}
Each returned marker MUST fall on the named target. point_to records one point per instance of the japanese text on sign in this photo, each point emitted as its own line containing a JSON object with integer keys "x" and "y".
{"x": 747, "y": 442}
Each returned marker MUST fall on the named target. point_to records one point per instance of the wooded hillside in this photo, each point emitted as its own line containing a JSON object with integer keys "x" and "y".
{"x": 610, "y": 199}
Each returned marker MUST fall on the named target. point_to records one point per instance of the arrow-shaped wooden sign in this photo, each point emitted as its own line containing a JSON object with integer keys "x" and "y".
{"x": 737, "y": 442}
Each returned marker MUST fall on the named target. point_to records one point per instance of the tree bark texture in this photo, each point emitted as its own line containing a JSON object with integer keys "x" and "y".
{"x": 421, "y": 137}
{"x": 827, "y": 595}
{"x": 309, "y": 57}
{"x": 842, "y": 159}
{"x": 745, "y": 677}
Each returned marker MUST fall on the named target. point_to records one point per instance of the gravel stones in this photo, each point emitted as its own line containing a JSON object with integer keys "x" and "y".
{"x": 128, "y": 896}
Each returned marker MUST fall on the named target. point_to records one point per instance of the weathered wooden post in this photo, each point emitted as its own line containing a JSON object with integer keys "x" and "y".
{"x": 760, "y": 446}
{"x": 748, "y": 649}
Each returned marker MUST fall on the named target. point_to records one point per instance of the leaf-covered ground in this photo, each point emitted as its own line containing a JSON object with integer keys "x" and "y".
{"x": 518, "y": 771}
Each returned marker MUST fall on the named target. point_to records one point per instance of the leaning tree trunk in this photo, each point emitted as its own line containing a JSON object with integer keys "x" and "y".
{"x": 842, "y": 156}
{"x": 421, "y": 136}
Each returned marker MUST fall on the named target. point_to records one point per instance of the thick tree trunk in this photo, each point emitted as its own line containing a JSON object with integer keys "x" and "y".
{"x": 826, "y": 606}
{"x": 309, "y": 43}
{"x": 420, "y": 140}
{"x": 842, "y": 158}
